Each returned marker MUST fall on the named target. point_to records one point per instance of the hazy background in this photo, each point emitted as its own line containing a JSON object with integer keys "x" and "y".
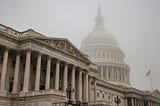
{"x": 134, "y": 23}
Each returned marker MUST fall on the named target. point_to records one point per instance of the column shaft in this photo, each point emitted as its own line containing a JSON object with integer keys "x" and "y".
{"x": 132, "y": 102}
{"x": 86, "y": 86}
{"x": 48, "y": 73}
{"x": 38, "y": 73}
{"x": 107, "y": 72}
{"x": 16, "y": 73}
{"x": 89, "y": 88}
{"x": 80, "y": 85}
{"x": 95, "y": 90}
{"x": 4, "y": 69}
{"x": 116, "y": 72}
{"x": 27, "y": 72}
{"x": 73, "y": 82}
{"x": 118, "y": 75}
{"x": 57, "y": 76}
{"x": 112, "y": 73}
{"x": 65, "y": 77}
{"x": 101, "y": 72}
{"x": 121, "y": 74}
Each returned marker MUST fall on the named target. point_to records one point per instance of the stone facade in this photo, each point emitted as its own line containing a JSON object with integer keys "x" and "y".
{"x": 35, "y": 66}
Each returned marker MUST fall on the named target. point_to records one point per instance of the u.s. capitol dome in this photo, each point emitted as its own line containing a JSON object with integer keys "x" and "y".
{"x": 103, "y": 49}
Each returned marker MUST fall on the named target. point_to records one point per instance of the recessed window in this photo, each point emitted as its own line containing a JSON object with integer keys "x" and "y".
{"x": 103, "y": 96}
{"x": 97, "y": 94}
{"x": 109, "y": 97}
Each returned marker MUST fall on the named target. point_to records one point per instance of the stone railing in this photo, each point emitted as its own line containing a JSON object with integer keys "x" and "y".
{"x": 42, "y": 92}
{"x": 99, "y": 103}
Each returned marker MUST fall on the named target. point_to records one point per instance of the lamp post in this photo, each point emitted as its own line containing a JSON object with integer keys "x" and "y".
{"x": 117, "y": 100}
{"x": 69, "y": 91}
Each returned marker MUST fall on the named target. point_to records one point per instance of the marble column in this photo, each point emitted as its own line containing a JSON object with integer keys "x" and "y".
{"x": 38, "y": 72}
{"x": 95, "y": 90}
{"x": 80, "y": 85}
{"x": 118, "y": 74}
{"x": 65, "y": 77}
{"x": 47, "y": 86}
{"x": 57, "y": 75}
{"x": 116, "y": 70}
{"x": 73, "y": 81}
{"x": 112, "y": 73}
{"x": 132, "y": 101}
{"x": 149, "y": 103}
{"x": 16, "y": 73}
{"x": 128, "y": 76}
{"x": 86, "y": 86}
{"x": 101, "y": 75}
{"x": 27, "y": 71}
{"x": 107, "y": 72}
{"x": 4, "y": 69}
{"x": 121, "y": 74}
{"x": 89, "y": 88}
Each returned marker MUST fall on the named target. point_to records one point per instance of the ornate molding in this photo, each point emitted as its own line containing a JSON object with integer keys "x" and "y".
{"x": 63, "y": 45}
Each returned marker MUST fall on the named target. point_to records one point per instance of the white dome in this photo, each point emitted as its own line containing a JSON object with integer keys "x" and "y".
{"x": 102, "y": 48}
{"x": 100, "y": 42}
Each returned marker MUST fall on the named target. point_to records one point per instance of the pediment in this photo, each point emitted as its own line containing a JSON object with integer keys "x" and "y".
{"x": 65, "y": 46}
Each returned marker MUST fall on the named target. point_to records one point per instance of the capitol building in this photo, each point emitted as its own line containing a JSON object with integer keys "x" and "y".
{"x": 35, "y": 70}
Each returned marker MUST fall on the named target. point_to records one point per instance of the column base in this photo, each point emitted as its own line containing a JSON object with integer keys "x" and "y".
{"x": 3, "y": 92}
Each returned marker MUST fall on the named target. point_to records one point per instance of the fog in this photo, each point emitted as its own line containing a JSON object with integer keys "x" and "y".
{"x": 134, "y": 23}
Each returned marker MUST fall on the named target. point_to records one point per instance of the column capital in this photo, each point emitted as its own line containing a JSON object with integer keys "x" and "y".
{"x": 86, "y": 71}
{"x": 49, "y": 57}
{"x": 66, "y": 63}
{"x": 7, "y": 47}
{"x": 57, "y": 60}
{"x": 39, "y": 53}
{"x": 28, "y": 49}
{"x": 18, "y": 51}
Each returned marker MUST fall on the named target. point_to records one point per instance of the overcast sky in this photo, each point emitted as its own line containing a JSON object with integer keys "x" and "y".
{"x": 134, "y": 23}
